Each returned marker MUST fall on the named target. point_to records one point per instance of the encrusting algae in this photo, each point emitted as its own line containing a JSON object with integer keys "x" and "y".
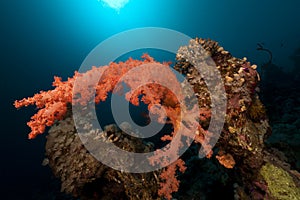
{"x": 280, "y": 184}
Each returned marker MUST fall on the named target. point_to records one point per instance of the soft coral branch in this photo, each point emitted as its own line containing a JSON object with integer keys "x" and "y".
{"x": 52, "y": 104}
{"x": 169, "y": 182}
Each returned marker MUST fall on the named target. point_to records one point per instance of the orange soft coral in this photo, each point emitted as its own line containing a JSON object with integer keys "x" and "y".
{"x": 170, "y": 183}
{"x": 52, "y": 104}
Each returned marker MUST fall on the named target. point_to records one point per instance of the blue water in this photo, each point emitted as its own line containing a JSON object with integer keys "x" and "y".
{"x": 43, "y": 38}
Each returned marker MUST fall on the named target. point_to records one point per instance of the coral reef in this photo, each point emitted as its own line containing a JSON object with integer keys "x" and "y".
{"x": 239, "y": 160}
{"x": 84, "y": 176}
{"x": 241, "y": 145}
{"x": 242, "y": 136}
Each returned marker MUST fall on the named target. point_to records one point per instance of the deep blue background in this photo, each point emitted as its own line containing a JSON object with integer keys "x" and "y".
{"x": 43, "y": 38}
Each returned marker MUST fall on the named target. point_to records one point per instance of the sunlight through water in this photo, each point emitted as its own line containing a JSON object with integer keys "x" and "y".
{"x": 115, "y": 4}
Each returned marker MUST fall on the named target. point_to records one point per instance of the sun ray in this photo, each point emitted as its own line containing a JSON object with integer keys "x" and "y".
{"x": 115, "y": 4}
